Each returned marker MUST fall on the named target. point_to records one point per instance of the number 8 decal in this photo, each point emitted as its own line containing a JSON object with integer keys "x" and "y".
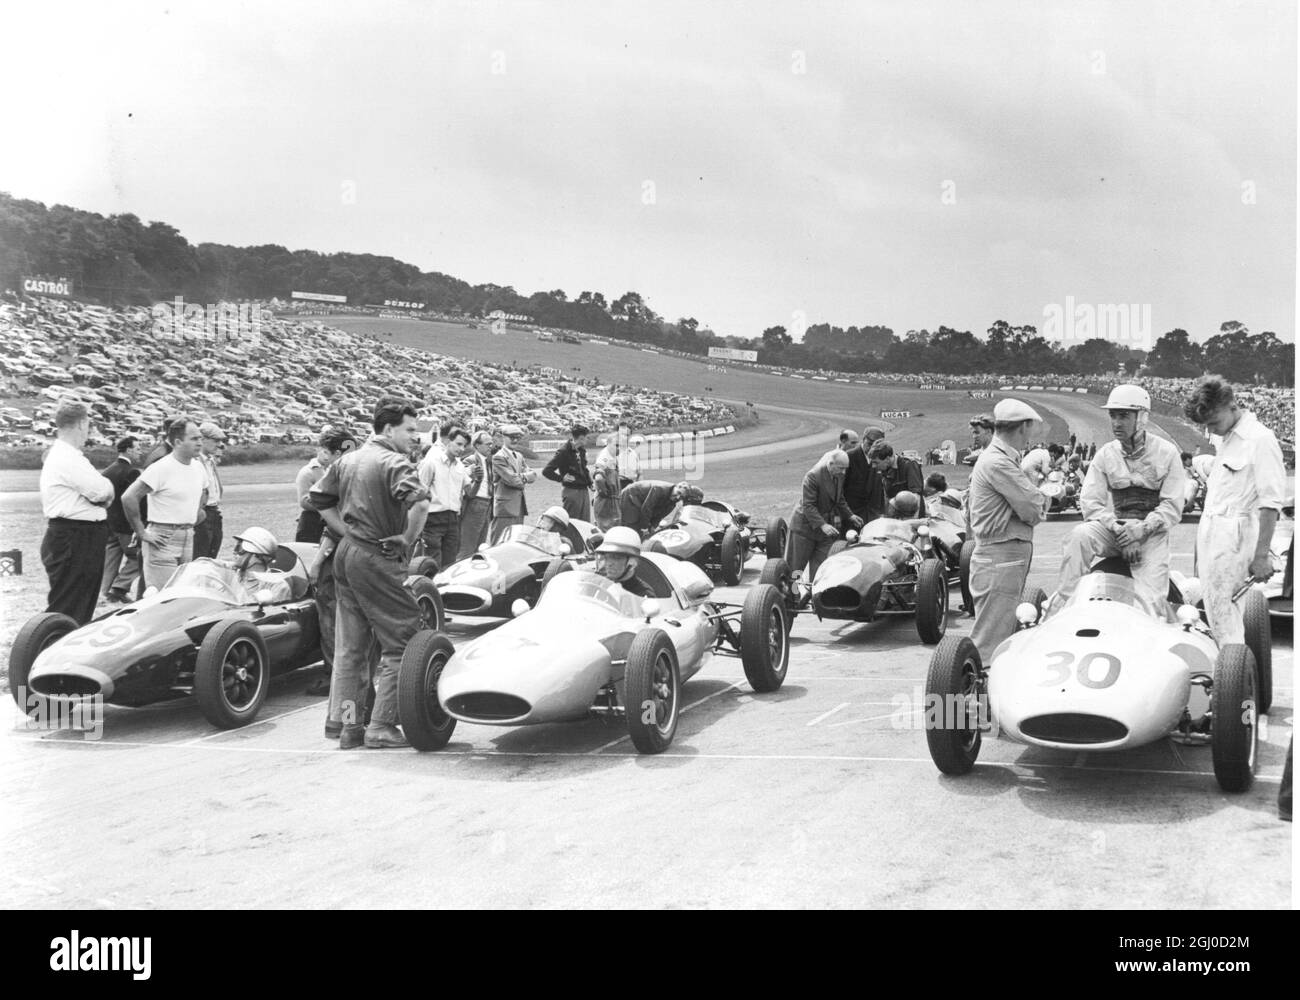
{"x": 1061, "y": 660}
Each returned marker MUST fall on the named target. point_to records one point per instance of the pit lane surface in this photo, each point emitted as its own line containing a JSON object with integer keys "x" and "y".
{"x": 819, "y": 795}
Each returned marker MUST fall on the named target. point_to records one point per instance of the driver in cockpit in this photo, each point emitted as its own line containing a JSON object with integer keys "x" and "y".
{"x": 617, "y": 558}
{"x": 255, "y": 550}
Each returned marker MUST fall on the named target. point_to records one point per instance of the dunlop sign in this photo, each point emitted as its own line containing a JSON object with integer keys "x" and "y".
{"x": 60, "y": 287}
{"x": 932, "y": 385}
{"x": 895, "y": 414}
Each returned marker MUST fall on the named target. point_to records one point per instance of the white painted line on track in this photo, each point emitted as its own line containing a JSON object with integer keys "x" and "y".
{"x": 251, "y": 725}
{"x": 877, "y": 718}
{"x": 826, "y": 715}
{"x": 613, "y": 743}
{"x": 578, "y": 755}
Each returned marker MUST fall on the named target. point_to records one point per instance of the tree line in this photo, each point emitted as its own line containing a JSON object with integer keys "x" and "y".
{"x": 120, "y": 260}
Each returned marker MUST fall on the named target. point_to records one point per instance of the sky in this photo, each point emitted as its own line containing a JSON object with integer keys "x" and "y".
{"x": 748, "y": 164}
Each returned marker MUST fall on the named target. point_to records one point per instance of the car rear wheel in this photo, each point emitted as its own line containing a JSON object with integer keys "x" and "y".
{"x": 963, "y": 572}
{"x": 38, "y": 632}
{"x": 764, "y": 638}
{"x": 953, "y": 690}
{"x": 932, "y": 601}
{"x": 776, "y": 573}
{"x": 433, "y": 616}
{"x": 775, "y": 535}
{"x": 1233, "y": 736}
{"x": 426, "y": 725}
{"x": 1259, "y": 638}
{"x": 1035, "y": 596}
{"x": 732, "y": 556}
{"x": 652, "y": 689}
{"x": 232, "y": 674}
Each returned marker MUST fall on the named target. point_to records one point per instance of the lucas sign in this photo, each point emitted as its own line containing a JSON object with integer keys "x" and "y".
{"x": 895, "y": 414}
{"x": 731, "y": 354}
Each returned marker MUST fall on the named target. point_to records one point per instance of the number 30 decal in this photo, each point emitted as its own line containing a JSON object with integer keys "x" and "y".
{"x": 1062, "y": 660}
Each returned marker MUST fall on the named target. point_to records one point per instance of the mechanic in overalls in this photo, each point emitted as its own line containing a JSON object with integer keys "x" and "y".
{"x": 1003, "y": 506}
{"x": 1244, "y": 493}
{"x": 1131, "y": 499}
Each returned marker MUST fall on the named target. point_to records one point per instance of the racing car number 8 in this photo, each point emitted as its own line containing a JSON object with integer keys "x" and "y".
{"x": 1064, "y": 659}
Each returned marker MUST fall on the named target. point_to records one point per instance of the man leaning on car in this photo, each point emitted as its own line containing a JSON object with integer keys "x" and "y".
{"x": 373, "y": 500}
{"x": 1004, "y": 506}
{"x": 1131, "y": 500}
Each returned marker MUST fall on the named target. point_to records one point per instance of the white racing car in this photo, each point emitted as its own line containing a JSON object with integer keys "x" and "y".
{"x": 591, "y": 647}
{"x": 1108, "y": 670}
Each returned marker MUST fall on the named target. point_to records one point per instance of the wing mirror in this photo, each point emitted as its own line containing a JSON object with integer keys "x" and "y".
{"x": 923, "y": 530}
{"x": 518, "y": 607}
{"x": 649, "y": 608}
{"x": 1187, "y": 615}
{"x": 851, "y": 537}
{"x": 566, "y": 548}
{"x": 263, "y": 596}
{"x": 1026, "y": 614}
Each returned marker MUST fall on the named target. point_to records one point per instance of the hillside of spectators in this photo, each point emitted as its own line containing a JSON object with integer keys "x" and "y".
{"x": 268, "y": 379}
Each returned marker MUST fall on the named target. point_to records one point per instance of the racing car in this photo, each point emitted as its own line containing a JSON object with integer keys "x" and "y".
{"x": 488, "y": 582}
{"x": 203, "y": 633}
{"x": 1062, "y": 490}
{"x": 1280, "y": 589}
{"x": 716, "y": 537}
{"x": 892, "y": 566}
{"x": 590, "y": 647}
{"x": 1110, "y": 669}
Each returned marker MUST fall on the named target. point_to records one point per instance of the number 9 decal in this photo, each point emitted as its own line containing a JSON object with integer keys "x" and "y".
{"x": 1061, "y": 660}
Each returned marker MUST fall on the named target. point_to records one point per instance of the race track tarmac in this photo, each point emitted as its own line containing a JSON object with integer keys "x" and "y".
{"x": 821, "y": 794}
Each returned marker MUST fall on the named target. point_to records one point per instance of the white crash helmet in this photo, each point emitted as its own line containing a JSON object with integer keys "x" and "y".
{"x": 257, "y": 541}
{"x": 557, "y": 514}
{"x": 621, "y": 540}
{"x": 1128, "y": 397}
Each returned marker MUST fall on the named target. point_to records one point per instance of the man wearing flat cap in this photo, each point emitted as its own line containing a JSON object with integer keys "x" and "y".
{"x": 1003, "y": 507}
{"x": 208, "y": 532}
{"x": 512, "y": 475}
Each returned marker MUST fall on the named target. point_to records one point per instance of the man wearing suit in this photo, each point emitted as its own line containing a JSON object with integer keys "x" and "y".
{"x": 864, "y": 490}
{"x": 121, "y": 556}
{"x": 811, "y": 531}
{"x": 476, "y": 512}
{"x": 512, "y": 476}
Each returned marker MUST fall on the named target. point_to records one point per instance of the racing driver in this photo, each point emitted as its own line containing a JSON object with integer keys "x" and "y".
{"x": 1131, "y": 499}
{"x": 617, "y": 558}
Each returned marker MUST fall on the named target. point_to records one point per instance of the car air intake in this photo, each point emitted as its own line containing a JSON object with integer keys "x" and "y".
{"x": 459, "y": 601}
{"x": 840, "y": 598}
{"x": 489, "y": 706}
{"x": 1073, "y": 727}
{"x": 64, "y": 686}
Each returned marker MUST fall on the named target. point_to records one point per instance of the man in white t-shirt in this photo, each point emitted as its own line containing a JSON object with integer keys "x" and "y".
{"x": 176, "y": 485}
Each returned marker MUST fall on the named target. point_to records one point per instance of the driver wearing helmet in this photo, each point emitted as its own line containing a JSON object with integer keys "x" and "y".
{"x": 905, "y": 505}
{"x": 555, "y": 519}
{"x": 255, "y": 550}
{"x": 1131, "y": 499}
{"x": 617, "y": 558}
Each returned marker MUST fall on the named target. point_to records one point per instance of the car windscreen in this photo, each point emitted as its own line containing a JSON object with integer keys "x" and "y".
{"x": 886, "y": 529}
{"x": 209, "y": 575}
{"x": 526, "y": 534}
{"x": 589, "y": 588}
{"x": 1120, "y": 589}
{"x": 705, "y": 515}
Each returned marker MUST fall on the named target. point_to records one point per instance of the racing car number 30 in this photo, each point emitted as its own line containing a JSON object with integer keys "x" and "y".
{"x": 1062, "y": 662}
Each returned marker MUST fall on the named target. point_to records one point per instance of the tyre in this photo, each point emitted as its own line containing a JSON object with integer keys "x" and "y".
{"x": 422, "y": 566}
{"x": 232, "y": 674}
{"x": 555, "y": 567}
{"x": 1233, "y": 736}
{"x": 1035, "y": 596}
{"x": 776, "y": 573}
{"x": 1259, "y": 639}
{"x": 432, "y": 614}
{"x": 764, "y": 638}
{"x": 952, "y": 722}
{"x": 732, "y": 556}
{"x": 964, "y": 553}
{"x": 38, "y": 632}
{"x": 776, "y": 533}
{"x": 931, "y": 601}
{"x": 426, "y": 725}
{"x": 652, "y": 691}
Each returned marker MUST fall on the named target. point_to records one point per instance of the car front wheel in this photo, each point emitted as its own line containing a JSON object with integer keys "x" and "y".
{"x": 232, "y": 674}
{"x": 764, "y": 638}
{"x": 424, "y": 721}
{"x": 652, "y": 691}
{"x": 1233, "y": 736}
{"x": 952, "y": 696}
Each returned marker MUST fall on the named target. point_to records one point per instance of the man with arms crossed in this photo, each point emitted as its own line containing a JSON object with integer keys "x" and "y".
{"x": 176, "y": 485}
